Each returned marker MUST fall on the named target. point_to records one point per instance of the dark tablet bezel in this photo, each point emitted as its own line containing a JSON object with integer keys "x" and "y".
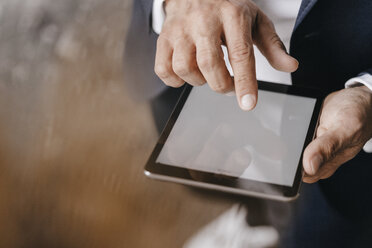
{"x": 234, "y": 182}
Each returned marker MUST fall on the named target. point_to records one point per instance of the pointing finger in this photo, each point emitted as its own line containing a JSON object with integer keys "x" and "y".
{"x": 240, "y": 49}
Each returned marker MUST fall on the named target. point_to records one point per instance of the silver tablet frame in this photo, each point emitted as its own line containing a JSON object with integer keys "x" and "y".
{"x": 153, "y": 173}
{"x": 220, "y": 187}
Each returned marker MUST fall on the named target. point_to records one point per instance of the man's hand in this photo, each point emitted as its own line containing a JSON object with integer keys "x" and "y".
{"x": 189, "y": 46}
{"x": 345, "y": 126}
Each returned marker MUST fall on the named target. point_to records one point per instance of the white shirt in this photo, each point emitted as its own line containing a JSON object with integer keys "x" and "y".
{"x": 283, "y": 13}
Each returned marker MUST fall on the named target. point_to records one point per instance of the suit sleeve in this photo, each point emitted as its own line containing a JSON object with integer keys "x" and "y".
{"x": 139, "y": 54}
{"x": 147, "y": 7}
{"x": 369, "y": 71}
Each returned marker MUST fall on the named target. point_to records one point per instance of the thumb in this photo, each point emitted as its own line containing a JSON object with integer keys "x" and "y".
{"x": 322, "y": 150}
{"x": 271, "y": 46}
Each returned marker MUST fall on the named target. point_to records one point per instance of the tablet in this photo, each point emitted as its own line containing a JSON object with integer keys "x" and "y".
{"x": 210, "y": 142}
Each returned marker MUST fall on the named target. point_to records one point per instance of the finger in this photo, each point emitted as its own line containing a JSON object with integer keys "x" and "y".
{"x": 334, "y": 161}
{"x": 330, "y": 167}
{"x": 237, "y": 32}
{"x": 185, "y": 65}
{"x": 209, "y": 57}
{"x": 310, "y": 179}
{"x": 270, "y": 45}
{"x": 327, "y": 169}
{"x": 163, "y": 64}
{"x": 327, "y": 172}
{"x": 322, "y": 150}
{"x": 324, "y": 172}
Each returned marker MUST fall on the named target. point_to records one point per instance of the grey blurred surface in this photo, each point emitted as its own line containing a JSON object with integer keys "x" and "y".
{"x": 72, "y": 143}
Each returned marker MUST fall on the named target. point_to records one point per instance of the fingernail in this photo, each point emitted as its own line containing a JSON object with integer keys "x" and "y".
{"x": 316, "y": 162}
{"x": 248, "y": 101}
{"x": 231, "y": 93}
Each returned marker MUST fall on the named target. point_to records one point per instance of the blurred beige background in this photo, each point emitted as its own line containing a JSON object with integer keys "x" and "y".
{"x": 72, "y": 143}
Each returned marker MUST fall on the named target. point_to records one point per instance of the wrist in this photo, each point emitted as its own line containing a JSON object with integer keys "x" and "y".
{"x": 365, "y": 101}
{"x": 368, "y": 99}
{"x": 362, "y": 79}
{"x": 365, "y": 89}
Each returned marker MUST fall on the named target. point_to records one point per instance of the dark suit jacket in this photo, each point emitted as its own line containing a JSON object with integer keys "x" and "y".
{"x": 139, "y": 54}
{"x": 332, "y": 41}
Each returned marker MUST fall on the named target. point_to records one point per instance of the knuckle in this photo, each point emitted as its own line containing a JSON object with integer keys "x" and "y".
{"x": 207, "y": 63}
{"x": 182, "y": 68}
{"x": 163, "y": 40}
{"x": 240, "y": 52}
{"x": 220, "y": 88}
{"x": 162, "y": 71}
{"x": 243, "y": 81}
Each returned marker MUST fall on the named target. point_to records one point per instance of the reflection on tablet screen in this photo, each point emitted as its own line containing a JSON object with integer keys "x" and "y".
{"x": 213, "y": 134}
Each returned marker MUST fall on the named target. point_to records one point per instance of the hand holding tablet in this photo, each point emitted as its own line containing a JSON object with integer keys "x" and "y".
{"x": 209, "y": 142}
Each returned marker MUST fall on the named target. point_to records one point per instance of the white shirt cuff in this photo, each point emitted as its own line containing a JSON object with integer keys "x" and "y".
{"x": 158, "y": 15}
{"x": 365, "y": 79}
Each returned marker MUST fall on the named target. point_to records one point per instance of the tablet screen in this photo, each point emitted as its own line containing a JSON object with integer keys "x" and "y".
{"x": 212, "y": 134}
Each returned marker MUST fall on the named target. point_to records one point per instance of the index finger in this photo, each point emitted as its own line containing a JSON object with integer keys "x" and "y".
{"x": 237, "y": 30}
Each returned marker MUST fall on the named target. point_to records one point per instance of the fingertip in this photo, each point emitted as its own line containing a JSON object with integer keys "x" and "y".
{"x": 248, "y": 102}
{"x": 275, "y": 52}
{"x": 312, "y": 162}
{"x": 306, "y": 161}
{"x": 306, "y": 166}
{"x": 315, "y": 163}
{"x": 285, "y": 63}
{"x": 246, "y": 92}
{"x": 293, "y": 64}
